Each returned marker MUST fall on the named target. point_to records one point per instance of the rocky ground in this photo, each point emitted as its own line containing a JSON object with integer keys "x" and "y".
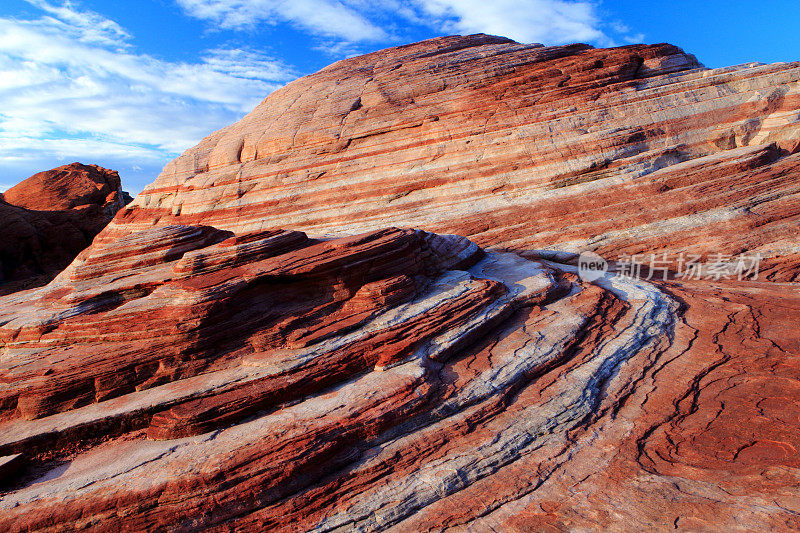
{"x": 359, "y": 309}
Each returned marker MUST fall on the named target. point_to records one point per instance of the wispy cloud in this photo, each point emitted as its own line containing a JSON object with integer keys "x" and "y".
{"x": 354, "y": 21}
{"x": 93, "y": 28}
{"x": 72, "y": 86}
{"x": 329, "y": 18}
{"x": 529, "y": 21}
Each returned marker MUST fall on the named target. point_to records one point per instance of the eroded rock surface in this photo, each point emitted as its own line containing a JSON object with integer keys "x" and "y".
{"x": 286, "y": 331}
{"x": 47, "y": 219}
{"x": 623, "y": 150}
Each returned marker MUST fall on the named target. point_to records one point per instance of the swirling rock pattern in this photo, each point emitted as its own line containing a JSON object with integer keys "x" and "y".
{"x": 287, "y": 332}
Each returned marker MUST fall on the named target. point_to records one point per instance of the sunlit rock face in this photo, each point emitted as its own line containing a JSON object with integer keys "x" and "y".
{"x": 359, "y": 309}
{"x": 632, "y": 149}
{"x": 47, "y": 219}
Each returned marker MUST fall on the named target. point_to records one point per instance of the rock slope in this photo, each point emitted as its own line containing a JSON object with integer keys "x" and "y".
{"x": 286, "y": 331}
{"x": 50, "y": 217}
{"x": 632, "y": 149}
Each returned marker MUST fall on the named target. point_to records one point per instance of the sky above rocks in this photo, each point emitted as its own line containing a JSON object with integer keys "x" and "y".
{"x": 129, "y": 85}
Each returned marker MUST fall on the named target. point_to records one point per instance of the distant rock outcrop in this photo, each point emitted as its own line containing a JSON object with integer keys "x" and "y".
{"x": 46, "y": 220}
{"x": 286, "y": 331}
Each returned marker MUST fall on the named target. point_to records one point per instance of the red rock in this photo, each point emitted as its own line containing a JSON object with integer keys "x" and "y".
{"x": 161, "y": 321}
{"x": 69, "y": 187}
{"x": 50, "y": 217}
{"x": 198, "y": 368}
{"x": 624, "y": 150}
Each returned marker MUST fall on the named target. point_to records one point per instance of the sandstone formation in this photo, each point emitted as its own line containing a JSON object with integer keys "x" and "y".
{"x": 50, "y": 217}
{"x": 624, "y": 150}
{"x": 289, "y": 329}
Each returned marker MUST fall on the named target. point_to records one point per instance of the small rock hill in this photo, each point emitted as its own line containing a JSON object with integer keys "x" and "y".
{"x": 47, "y": 219}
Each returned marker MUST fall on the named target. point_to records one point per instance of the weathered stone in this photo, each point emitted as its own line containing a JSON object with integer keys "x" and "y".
{"x": 199, "y": 368}
{"x": 50, "y": 217}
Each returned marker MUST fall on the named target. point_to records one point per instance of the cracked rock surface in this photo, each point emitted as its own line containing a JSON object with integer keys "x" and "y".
{"x": 358, "y": 309}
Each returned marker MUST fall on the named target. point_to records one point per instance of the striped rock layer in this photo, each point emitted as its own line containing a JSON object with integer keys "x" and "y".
{"x": 289, "y": 330}
{"x": 624, "y": 150}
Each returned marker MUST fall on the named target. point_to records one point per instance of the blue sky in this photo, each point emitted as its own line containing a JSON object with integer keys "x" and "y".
{"x": 131, "y": 84}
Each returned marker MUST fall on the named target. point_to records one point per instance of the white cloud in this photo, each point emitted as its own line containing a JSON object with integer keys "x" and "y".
{"x": 636, "y": 38}
{"x": 351, "y": 21}
{"x": 71, "y": 88}
{"x": 330, "y": 18}
{"x": 93, "y": 28}
{"x": 528, "y": 21}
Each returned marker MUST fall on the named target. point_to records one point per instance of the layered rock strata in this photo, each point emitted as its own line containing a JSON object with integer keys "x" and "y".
{"x": 624, "y": 150}
{"x": 274, "y": 336}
